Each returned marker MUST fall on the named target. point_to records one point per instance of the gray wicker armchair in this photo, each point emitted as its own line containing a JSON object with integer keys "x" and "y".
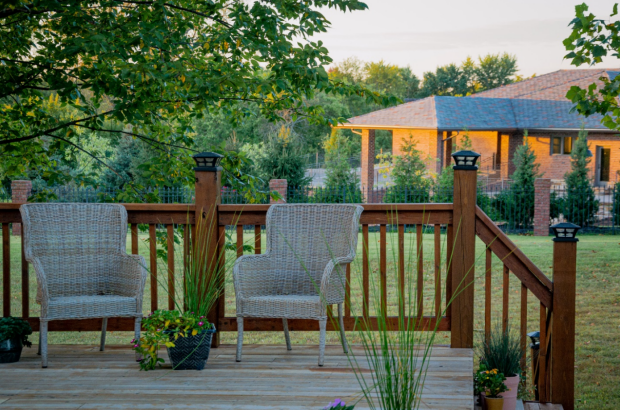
{"x": 83, "y": 270}
{"x": 303, "y": 269}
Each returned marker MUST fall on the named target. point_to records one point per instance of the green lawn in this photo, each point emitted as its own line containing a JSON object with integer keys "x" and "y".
{"x": 598, "y": 295}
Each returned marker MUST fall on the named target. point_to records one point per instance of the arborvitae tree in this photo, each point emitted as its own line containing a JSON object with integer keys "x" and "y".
{"x": 411, "y": 183}
{"x": 341, "y": 180}
{"x": 580, "y": 204}
{"x": 282, "y": 159}
{"x": 516, "y": 205}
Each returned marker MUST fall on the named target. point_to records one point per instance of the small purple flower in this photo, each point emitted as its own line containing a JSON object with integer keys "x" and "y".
{"x": 133, "y": 340}
{"x": 200, "y": 323}
{"x": 336, "y": 403}
{"x": 135, "y": 345}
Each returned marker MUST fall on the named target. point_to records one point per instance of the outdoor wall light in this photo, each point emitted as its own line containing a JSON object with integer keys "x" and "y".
{"x": 207, "y": 161}
{"x": 565, "y": 232}
{"x": 465, "y": 160}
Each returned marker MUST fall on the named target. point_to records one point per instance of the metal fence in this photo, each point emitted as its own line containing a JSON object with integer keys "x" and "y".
{"x": 595, "y": 209}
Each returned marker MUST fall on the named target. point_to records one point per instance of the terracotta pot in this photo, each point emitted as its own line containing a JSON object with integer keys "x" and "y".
{"x": 494, "y": 404}
{"x": 510, "y": 396}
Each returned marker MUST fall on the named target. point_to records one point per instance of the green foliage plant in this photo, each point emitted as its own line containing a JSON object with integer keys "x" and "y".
{"x": 590, "y": 41}
{"x": 202, "y": 284}
{"x": 409, "y": 174}
{"x": 502, "y": 351}
{"x": 580, "y": 203}
{"x": 516, "y": 204}
{"x": 15, "y": 328}
{"x": 148, "y": 69}
{"x": 492, "y": 383}
{"x": 342, "y": 183}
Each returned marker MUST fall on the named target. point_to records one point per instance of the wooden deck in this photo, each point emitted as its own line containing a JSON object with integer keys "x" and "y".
{"x": 270, "y": 377}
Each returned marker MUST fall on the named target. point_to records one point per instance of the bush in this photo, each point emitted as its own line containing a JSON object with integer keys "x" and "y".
{"x": 616, "y": 205}
{"x": 580, "y": 203}
{"x": 282, "y": 159}
{"x": 411, "y": 182}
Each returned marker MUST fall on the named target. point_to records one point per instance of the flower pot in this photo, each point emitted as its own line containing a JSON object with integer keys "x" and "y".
{"x": 510, "y": 396}
{"x": 191, "y": 352}
{"x": 10, "y": 350}
{"x": 494, "y": 404}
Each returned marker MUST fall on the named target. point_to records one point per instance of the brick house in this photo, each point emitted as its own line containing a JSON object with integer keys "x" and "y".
{"x": 495, "y": 121}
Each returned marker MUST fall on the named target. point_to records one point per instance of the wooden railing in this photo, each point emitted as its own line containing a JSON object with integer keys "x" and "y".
{"x": 453, "y": 271}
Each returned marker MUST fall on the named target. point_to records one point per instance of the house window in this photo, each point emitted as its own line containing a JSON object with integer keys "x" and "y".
{"x": 561, "y": 145}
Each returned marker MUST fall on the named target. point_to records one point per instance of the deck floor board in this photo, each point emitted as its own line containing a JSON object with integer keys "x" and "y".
{"x": 269, "y": 377}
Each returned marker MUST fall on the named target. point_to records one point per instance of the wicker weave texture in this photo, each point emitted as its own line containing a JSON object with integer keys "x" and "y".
{"x": 79, "y": 255}
{"x": 303, "y": 269}
{"x": 308, "y": 247}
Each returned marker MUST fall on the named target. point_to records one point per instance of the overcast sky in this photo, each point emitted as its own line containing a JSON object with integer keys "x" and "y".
{"x": 430, "y": 33}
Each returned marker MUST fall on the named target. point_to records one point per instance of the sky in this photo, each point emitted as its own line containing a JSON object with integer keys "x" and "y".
{"x": 431, "y": 33}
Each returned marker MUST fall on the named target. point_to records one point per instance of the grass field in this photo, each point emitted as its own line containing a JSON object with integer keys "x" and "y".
{"x": 598, "y": 298}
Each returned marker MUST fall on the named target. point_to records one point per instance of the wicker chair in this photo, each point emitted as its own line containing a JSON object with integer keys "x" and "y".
{"x": 303, "y": 269}
{"x": 83, "y": 270}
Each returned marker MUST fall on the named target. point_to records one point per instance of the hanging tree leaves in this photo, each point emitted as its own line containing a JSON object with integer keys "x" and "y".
{"x": 144, "y": 69}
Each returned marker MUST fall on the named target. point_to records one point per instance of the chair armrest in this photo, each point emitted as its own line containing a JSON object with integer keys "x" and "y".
{"x": 131, "y": 277}
{"x": 334, "y": 279}
{"x": 43, "y": 291}
{"x": 254, "y": 275}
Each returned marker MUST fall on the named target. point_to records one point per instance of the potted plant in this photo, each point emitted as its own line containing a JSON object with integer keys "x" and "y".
{"x": 14, "y": 334}
{"x": 502, "y": 351}
{"x": 478, "y": 387}
{"x": 186, "y": 335}
{"x": 492, "y": 383}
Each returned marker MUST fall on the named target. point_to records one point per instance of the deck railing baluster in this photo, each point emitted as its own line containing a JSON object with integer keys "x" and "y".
{"x": 6, "y": 270}
{"x": 487, "y": 294}
{"x": 505, "y": 298}
{"x": 171, "y": 284}
{"x": 153, "y": 264}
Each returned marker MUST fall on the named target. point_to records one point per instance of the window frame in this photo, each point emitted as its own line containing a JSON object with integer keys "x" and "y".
{"x": 562, "y": 139}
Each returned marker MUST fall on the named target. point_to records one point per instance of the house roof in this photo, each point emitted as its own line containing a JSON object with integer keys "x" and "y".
{"x": 537, "y": 103}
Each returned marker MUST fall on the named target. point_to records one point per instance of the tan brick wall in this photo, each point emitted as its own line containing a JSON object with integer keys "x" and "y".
{"x": 542, "y": 206}
{"x": 555, "y": 166}
{"x": 20, "y": 191}
{"x": 281, "y": 187}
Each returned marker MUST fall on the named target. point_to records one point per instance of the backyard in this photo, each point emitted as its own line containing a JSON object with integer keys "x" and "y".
{"x": 598, "y": 296}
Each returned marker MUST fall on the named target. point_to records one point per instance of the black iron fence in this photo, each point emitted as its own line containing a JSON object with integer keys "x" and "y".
{"x": 595, "y": 209}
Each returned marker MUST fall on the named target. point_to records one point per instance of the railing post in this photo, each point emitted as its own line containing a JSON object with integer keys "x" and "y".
{"x": 563, "y": 321}
{"x": 208, "y": 197}
{"x": 463, "y": 255}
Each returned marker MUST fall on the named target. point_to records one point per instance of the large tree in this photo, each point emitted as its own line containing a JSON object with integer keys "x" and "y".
{"x": 590, "y": 41}
{"x": 147, "y": 68}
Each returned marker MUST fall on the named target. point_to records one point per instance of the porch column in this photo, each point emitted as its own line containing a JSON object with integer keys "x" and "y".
{"x": 448, "y": 149}
{"x": 368, "y": 161}
{"x": 436, "y": 152}
{"x": 502, "y": 154}
{"x": 515, "y": 141}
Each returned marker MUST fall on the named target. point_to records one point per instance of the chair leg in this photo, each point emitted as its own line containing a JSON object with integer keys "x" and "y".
{"x": 343, "y": 338}
{"x": 39, "y": 352}
{"x": 239, "y": 337}
{"x": 43, "y": 343}
{"x": 286, "y": 334}
{"x": 104, "y": 327}
{"x": 323, "y": 330}
{"x": 137, "y": 326}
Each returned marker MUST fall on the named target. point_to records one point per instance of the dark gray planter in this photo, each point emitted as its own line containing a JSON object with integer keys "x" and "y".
{"x": 191, "y": 352}
{"x": 10, "y": 350}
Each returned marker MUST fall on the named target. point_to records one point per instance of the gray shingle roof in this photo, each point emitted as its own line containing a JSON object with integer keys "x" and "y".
{"x": 530, "y": 104}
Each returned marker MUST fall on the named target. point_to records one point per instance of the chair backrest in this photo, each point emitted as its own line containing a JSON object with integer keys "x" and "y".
{"x": 77, "y": 244}
{"x": 306, "y": 237}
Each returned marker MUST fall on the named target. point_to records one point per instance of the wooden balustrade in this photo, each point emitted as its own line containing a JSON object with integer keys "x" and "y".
{"x": 451, "y": 269}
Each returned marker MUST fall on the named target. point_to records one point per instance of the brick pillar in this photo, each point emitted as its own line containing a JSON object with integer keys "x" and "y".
{"x": 281, "y": 187}
{"x": 542, "y": 206}
{"x": 515, "y": 140}
{"x": 368, "y": 160}
{"x": 20, "y": 191}
{"x": 447, "y": 152}
{"x": 503, "y": 154}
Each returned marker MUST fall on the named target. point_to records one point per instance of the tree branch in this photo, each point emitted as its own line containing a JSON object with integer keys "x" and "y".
{"x": 172, "y": 6}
